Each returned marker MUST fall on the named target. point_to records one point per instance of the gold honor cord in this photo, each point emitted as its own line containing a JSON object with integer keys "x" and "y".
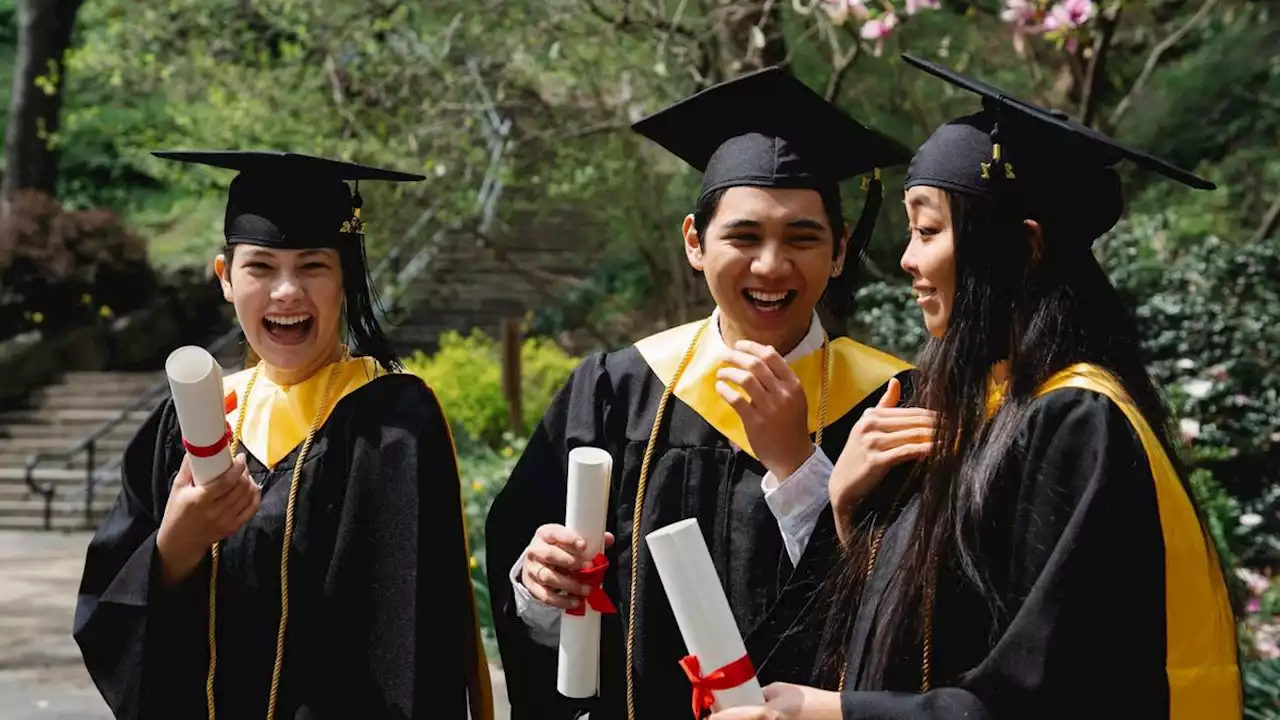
{"x": 644, "y": 477}
{"x": 284, "y": 551}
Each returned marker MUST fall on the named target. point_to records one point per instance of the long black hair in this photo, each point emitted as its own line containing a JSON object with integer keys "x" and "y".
{"x": 365, "y": 335}
{"x": 1040, "y": 307}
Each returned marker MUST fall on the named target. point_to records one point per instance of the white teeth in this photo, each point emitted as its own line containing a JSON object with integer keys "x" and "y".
{"x": 766, "y": 297}
{"x": 287, "y": 319}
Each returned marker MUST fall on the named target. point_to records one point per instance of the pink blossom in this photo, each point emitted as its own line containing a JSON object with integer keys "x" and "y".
{"x": 838, "y": 11}
{"x": 1022, "y": 13}
{"x": 1254, "y": 580}
{"x": 915, "y": 6}
{"x": 1069, "y": 14}
{"x": 1254, "y": 606}
{"x": 878, "y": 29}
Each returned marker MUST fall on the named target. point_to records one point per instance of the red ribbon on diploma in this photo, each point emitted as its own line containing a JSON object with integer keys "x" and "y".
{"x": 726, "y": 678}
{"x": 597, "y": 599}
{"x": 204, "y": 451}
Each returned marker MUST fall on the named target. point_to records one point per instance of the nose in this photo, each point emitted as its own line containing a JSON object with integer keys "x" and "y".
{"x": 287, "y": 289}
{"x": 772, "y": 262}
{"x": 908, "y": 260}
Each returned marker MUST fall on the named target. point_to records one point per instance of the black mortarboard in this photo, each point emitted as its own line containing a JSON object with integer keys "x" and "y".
{"x": 287, "y": 200}
{"x": 1057, "y": 167}
{"x": 767, "y": 129}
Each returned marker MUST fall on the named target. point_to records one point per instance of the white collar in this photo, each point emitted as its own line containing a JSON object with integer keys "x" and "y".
{"x": 812, "y": 340}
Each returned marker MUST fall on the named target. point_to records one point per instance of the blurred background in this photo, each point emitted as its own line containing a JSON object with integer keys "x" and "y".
{"x": 547, "y": 230}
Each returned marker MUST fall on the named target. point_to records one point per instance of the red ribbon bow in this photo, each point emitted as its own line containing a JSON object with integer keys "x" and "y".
{"x": 598, "y": 599}
{"x": 726, "y": 678}
{"x": 204, "y": 451}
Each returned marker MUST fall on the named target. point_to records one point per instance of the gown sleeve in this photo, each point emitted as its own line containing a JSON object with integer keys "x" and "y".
{"x": 141, "y": 643}
{"x": 534, "y": 495}
{"x": 397, "y": 594}
{"x": 1086, "y": 636}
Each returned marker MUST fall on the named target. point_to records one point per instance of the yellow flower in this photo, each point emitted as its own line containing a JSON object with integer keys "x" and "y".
{"x": 477, "y": 486}
{"x": 37, "y": 317}
{"x": 474, "y": 563}
{"x": 508, "y": 452}
{"x": 85, "y": 299}
{"x": 105, "y": 312}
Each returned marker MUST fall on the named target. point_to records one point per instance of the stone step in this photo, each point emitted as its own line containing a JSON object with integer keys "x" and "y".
{"x": 19, "y": 431}
{"x": 88, "y": 418}
{"x": 116, "y": 389}
{"x": 35, "y": 522}
{"x": 77, "y": 463}
{"x": 40, "y": 444}
{"x": 65, "y": 508}
{"x": 80, "y": 401}
{"x": 70, "y": 477}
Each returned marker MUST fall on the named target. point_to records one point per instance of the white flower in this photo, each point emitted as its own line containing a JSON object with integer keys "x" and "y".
{"x": 1197, "y": 388}
{"x": 1250, "y": 520}
{"x": 1186, "y": 364}
{"x": 1189, "y": 428}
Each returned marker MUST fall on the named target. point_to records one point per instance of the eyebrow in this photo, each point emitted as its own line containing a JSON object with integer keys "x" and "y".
{"x": 801, "y": 223}
{"x": 920, "y": 201}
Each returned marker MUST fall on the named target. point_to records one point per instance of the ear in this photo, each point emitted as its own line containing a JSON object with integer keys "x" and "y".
{"x": 223, "y": 271}
{"x": 692, "y": 245}
{"x": 842, "y": 252}
{"x": 1036, "y": 237}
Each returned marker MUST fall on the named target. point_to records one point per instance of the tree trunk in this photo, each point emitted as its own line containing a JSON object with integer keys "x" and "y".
{"x": 39, "y": 76}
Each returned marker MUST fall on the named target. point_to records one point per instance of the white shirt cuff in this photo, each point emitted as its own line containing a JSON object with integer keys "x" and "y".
{"x": 798, "y": 501}
{"x": 543, "y": 620}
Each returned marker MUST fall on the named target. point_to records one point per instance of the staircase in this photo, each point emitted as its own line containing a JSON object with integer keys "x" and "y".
{"x": 56, "y": 417}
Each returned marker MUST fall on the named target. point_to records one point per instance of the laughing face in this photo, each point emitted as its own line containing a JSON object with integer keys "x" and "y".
{"x": 767, "y": 256}
{"x": 289, "y": 303}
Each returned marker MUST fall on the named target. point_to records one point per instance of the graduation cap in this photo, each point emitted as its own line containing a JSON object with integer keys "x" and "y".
{"x": 288, "y": 200}
{"x": 1056, "y": 166}
{"x": 767, "y": 129}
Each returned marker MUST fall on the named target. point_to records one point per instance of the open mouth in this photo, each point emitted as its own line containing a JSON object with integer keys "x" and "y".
{"x": 288, "y": 329}
{"x": 924, "y": 295}
{"x": 770, "y": 301}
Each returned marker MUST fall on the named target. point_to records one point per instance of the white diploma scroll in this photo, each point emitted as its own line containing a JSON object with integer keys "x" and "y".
{"x": 195, "y": 380}
{"x": 578, "y": 671}
{"x": 702, "y": 611}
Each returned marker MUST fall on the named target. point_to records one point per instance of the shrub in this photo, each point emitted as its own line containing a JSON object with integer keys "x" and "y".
{"x": 484, "y": 471}
{"x": 466, "y": 375}
{"x": 61, "y": 269}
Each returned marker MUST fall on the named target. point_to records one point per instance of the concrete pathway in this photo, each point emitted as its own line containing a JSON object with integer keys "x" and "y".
{"x": 41, "y": 674}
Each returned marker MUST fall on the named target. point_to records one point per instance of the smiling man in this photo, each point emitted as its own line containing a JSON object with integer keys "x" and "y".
{"x": 731, "y": 419}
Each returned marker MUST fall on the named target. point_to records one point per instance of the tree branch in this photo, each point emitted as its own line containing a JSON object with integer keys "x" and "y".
{"x": 1097, "y": 62}
{"x": 1269, "y": 223}
{"x": 626, "y": 21}
{"x": 1154, "y": 58}
{"x": 841, "y": 63}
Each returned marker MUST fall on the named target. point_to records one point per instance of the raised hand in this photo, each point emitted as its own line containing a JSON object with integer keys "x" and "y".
{"x": 774, "y": 410}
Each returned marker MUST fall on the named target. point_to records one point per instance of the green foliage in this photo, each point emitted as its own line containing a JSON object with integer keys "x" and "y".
{"x": 466, "y": 374}
{"x": 1262, "y": 689}
{"x": 484, "y": 471}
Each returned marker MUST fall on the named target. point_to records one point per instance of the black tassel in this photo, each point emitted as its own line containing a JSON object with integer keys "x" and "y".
{"x": 860, "y": 238}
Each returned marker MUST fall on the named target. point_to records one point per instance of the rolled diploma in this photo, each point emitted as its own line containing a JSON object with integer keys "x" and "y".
{"x": 195, "y": 380}
{"x": 702, "y": 611}
{"x": 578, "y": 670}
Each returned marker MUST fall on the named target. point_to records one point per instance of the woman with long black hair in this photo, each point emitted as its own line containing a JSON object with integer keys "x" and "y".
{"x": 1046, "y": 559}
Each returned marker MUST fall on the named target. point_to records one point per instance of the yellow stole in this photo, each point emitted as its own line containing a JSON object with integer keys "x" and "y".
{"x": 856, "y": 371}
{"x": 1204, "y": 680}
{"x": 277, "y": 421}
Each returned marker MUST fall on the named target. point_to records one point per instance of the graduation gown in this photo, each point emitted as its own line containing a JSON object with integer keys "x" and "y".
{"x": 1115, "y": 605}
{"x": 611, "y": 402}
{"x": 381, "y": 614}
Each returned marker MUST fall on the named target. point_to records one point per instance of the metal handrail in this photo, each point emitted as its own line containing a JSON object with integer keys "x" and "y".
{"x": 88, "y": 444}
{"x": 496, "y": 130}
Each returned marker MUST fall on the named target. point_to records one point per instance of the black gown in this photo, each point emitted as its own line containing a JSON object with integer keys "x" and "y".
{"x": 381, "y": 617}
{"x": 611, "y": 402}
{"x": 1115, "y": 606}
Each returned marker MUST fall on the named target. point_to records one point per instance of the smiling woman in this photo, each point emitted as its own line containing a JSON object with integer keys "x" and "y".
{"x": 312, "y": 577}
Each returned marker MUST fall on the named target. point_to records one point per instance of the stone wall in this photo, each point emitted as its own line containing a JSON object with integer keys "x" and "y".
{"x": 184, "y": 311}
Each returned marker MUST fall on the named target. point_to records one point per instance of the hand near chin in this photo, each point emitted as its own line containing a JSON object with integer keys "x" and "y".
{"x": 766, "y": 393}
